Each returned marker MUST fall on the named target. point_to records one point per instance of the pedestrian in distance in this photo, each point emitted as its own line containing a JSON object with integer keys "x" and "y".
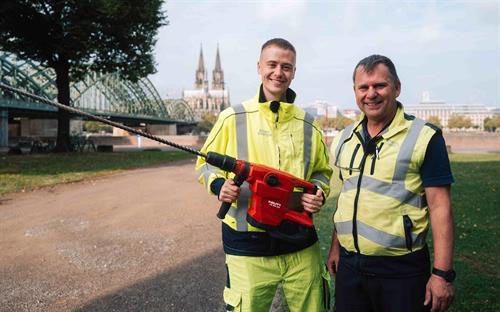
{"x": 395, "y": 178}
{"x": 271, "y": 130}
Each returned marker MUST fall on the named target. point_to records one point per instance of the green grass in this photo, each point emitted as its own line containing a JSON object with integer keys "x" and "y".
{"x": 476, "y": 204}
{"x": 27, "y": 172}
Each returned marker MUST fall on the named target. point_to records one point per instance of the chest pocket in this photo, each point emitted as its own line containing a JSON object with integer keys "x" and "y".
{"x": 296, "y": 146}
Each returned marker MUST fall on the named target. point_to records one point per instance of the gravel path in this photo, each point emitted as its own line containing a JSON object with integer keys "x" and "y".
{"x": 144, "y": 240}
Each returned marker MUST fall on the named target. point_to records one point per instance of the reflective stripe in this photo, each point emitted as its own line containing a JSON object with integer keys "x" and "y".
{"x": 308, "y": 121}
{"x": 406, "y": 150}
{"x": 380, "y": 237}
{"x": 394, "y": 190}
{"x": 206, "y": 170}
{"x": 320, "y": 177}
{"x": 343, "y": 137}
{"x": 241, "y": 131}
{"x": 240, "y": 213}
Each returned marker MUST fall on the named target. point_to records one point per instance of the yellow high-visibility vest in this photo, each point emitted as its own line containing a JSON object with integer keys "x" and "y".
{"x": 382, "y": 208}
{"x": 289, "y": 140}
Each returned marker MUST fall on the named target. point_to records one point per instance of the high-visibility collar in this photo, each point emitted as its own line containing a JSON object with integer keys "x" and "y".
{"x": 397, "y": 124}
{"x": 286, "y": 111}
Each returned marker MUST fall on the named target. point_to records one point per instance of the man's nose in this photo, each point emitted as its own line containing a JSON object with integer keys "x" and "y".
{"x": 371, "y": 93}
{"x": 278, "y": 71}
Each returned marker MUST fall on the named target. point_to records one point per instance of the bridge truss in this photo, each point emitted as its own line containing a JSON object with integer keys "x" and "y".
{"x": 99, "y": 93}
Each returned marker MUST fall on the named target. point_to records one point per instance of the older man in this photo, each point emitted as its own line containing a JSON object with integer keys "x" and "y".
{"x": 395, "y": 174}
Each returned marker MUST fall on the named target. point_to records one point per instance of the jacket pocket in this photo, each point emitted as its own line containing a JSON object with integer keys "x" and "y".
{"x": 408, "y": 225}
{"x": 232, "y": 299}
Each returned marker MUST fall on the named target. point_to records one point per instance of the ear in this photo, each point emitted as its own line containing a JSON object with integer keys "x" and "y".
{"x": 258, "y": 68}
{"x": 398, "y": 89}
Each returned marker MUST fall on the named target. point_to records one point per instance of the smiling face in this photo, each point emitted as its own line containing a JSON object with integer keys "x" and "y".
{"x": 276, "y": 68}
{"x": 376, "y": 93}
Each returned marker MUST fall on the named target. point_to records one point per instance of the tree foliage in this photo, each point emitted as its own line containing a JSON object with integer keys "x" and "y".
{"x": 435, "y": 120}
{"x": 458, "y": 122}
{"x": 492, "y": 123}
{"x": 74, "y": 37}
{"x": 207, "y": 122}
{"x": 338, "y": 123}
{"x": 96, "y": 127}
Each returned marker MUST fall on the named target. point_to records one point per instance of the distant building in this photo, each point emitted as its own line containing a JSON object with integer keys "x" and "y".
{"x": 321, "y": 108}
{"x": 203, "y": 98}
{"x": 351, "y": 113}
{"x": 427, "y": 108}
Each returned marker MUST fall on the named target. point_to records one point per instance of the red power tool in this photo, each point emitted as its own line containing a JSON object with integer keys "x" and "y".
{"x": 275, "y": 194}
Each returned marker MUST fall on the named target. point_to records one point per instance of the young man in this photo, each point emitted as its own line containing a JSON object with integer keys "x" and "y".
{"x": 395, "y": 174}
{"x": 270, "y": 130}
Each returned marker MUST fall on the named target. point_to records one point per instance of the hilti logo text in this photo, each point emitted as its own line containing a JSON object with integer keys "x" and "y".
{"x": 274, "y": 204}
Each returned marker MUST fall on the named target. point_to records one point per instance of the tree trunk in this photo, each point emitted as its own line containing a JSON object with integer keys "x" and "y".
{"x": 63, "y": 117}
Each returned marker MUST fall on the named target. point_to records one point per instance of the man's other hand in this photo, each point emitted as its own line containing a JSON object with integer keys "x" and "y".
{"x": 439, "y": 292}
{"x": 229, "y": 191}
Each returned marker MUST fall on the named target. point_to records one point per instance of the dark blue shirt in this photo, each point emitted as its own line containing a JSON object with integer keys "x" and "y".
{"x": 435, "y": 170}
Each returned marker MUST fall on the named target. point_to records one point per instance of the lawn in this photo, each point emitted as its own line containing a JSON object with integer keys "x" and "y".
{"x": 476, "y": 204}
{"x": 27, "y": 172}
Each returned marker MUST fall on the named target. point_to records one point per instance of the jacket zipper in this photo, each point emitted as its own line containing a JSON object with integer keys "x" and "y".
{"x": 279, "y": 153}
{"x": 377, "y": 156}
{"x": 353, "y": 157}
{"x": 356, "y": 199}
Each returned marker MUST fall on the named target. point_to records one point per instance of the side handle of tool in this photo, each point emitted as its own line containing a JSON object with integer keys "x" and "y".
{"x": 224, "y": 207}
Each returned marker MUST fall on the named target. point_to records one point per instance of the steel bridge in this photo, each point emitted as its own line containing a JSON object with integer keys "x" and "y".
{"x": 105, "y": 95}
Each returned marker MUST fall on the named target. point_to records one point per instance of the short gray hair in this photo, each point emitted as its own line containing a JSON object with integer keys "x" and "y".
{"x": 370, "y": 62}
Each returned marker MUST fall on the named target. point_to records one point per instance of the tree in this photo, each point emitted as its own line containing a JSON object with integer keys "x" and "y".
{"x": 74, "y": 37}
{"x": 435, "y": 120}
{"x": 338, "y": 123}
{"x": 324, "y": 122}
{"x": 96, "y": 127}
{"x": 341, "y": 122}
{"x": 207, "y": 122}
{"x": 492, "y": 123}
{"x": 459, "y": 122}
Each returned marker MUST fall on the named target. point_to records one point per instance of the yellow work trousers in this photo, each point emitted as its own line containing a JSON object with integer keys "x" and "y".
{"x": 252, "y": 281}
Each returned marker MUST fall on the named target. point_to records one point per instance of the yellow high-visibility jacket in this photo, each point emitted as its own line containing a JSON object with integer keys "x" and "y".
{"x": 382, "y": 210}
{"x": 289, "y": 140}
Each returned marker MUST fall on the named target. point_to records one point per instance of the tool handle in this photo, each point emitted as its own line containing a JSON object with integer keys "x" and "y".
{"x": 224, "y": 207}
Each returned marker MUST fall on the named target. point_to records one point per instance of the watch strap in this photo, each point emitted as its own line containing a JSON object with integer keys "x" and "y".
{"x": 449, "y": 275}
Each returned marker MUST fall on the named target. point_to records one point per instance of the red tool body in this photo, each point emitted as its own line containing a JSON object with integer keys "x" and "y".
{"x": 275, "y": 194}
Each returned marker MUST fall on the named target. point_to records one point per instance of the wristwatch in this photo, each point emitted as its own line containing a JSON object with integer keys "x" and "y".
{"x": 449, "y": 275}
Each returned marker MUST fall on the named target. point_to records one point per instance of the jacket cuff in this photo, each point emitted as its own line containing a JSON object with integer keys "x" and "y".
{"x": 216, "y": 185}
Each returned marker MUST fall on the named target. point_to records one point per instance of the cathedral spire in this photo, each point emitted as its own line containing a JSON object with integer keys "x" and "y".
{"x": 201, "y": 73}
{"x": 217, "y": 60}
{"x": 201, "y": 62}
{"x": 218, "y": 73}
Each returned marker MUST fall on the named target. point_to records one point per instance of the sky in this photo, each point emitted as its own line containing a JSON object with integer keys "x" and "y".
{"x": 449, "y": 48}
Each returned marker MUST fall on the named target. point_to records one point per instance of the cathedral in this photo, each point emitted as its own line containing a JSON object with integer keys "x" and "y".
{"x": 204, "y": 99}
